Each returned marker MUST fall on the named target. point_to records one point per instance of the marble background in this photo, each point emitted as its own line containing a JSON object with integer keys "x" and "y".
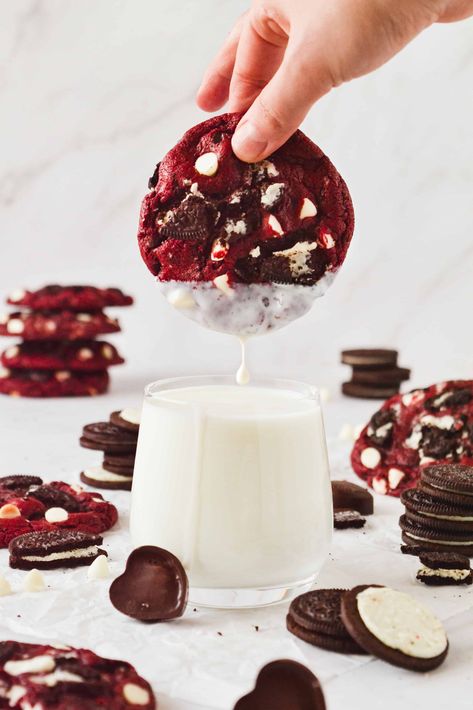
{"x": 92, "y": 93}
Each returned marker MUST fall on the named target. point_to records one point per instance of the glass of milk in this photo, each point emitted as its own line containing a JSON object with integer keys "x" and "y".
{"x": 234, "y": 480}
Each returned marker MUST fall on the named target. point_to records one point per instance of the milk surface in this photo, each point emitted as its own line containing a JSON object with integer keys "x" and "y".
{"x": 235, "y": 482}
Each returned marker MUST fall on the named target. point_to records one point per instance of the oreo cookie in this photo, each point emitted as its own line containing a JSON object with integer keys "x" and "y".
{"x": 426, "y": 510}
{"x": 444, "y": 568}
{"x": 128, "y": 419}
{"x": 374, "y": 358}
{"x": 315, "y": 618}
{"x": 100, "y": 477}
{"x": 343, "y": 519}
{"x": 382, "y": 377}
{"x": 364, "y": 391}
{"x": 437, "y": 539}
{"x": 454, "y": 478}
{"x": 53, "y": 549}
{"x": 103, "y": 436}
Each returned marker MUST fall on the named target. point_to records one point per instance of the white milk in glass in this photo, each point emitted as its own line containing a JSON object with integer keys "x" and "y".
{"x": 235, "y": 482}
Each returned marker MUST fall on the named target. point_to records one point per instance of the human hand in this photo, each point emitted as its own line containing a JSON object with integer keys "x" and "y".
{"x": 283, "y": 55}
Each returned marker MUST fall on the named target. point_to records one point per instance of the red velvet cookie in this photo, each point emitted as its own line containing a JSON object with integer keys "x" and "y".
{"x": 70, "y": 298}
{"x": 66, "y": 678}
{"x": 49, "y": 506}
{"x": 80, "y": 355}
{"x": 410, "y": 431}
{"x": 288, "y": 219}
{"x": 57, "y": 325}
{"x": 57, "y": 383}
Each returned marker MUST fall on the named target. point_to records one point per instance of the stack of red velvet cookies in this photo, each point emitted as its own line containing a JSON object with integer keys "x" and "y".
{"x": 59, "y": 355}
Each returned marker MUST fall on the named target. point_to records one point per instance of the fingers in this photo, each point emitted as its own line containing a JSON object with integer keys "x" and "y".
{"x": 257, "y": 60}
{"x": 283, "y": 104}
{"x": 213, "y": 91}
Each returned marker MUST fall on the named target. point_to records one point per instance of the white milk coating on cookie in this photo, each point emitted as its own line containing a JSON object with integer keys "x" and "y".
{"x": 98, "y": 473}
{"x": 370, "y": 457}
{"x": 129, "y": 414}
{"x": 135, "y": 694}
{"x": 401, "y": 623}
{"x": 456, "y": 574}
{"x": 37, "y": 664}
{"x": 82, "y": 552}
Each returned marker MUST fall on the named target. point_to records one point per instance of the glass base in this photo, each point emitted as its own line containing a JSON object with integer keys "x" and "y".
{"x": 248, "y": 597}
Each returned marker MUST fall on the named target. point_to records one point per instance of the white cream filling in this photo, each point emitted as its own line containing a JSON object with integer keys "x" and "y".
{"x": 442, "y": 572}
{"x": 100, "y": 474}
{"x": 438, "y": 542}
{"x": 459, "y": 518}
{"x": 83, "y": 552}
{"x": 400, "y": 622}
{"x": 441, "y": 488}
{"x": 129, "y": 414}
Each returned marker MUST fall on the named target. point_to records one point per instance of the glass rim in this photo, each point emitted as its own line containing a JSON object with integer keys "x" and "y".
{"x": 306, "y": 390}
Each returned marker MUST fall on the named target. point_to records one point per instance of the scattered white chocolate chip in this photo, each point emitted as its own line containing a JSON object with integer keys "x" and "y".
{"x": 129, "y": 414}
{"x": 395, "y": 476}
{"x": 194, "y": 189}
{"x": 15, "y": 326}
{"x": 370, "y": 457}
{"x": 76, "y": 488}
{"x": 34, "y": 582}
{"x": 84, "y": 317}
{"x": 12, "y": 352}
{"x": 135, "y": 694}
{"x": 379, "y": 486}
{"x": 219, "y": 250}
{"x": 221, "y": 282}
{"x": 85, "y": 354}
{"x": 62, "y": 375}
{"x": 56, "y": 515}
{"x": 308, "y": 209}
{"x": 326, "y": 240}
{"x": 15, "y": 694}
{"x": 324, "y": 394}
{"x": 180, "y": 298}
{"x": 17, "y": 295}
{"x": 4, "y": 372}
{"x": 9, "y": 511}
{"x": 207, "y": 164}
{"x": 50, "y": 326}
{"x": 255, "y": 253}
{"x": 99, "y": 568}
{"x": 272, "y": 194}
{"x": 273, "y": 222}
{"x": 5, "y": 587}
{"x": 346, "y": 433}
{"x": 107, "y": 352}
{"x": 37, "y": 664}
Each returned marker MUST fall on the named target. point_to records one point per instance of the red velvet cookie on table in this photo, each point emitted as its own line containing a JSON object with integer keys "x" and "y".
{"x": 69, "y": 298}
{"x": 66, "y": 678}
{"x": 52, "y": 383}
{"x": 48, "y": 506}
{"x": 80, "y": 356}
{"x": 57, "y": 325}
{"x": 413, "y": 430}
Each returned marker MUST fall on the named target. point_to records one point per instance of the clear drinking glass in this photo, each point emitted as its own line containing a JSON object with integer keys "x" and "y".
{"x": 235, "y": 482}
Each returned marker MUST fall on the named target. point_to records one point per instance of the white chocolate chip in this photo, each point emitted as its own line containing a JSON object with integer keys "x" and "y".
{"x": 17, "y": 295}
{"x": 12, "y": 352}
{"x": 15, "y": 326}
{"x": 9, "y": 511}
{"x": 219, "y": 250}
{"x": 255, "y": 253}
{"x": 62, "y": 375}
{"x": 84, "y": 317}
{"x": 194, "y": 189}
{"x": 4, "y": 318}
{"x": 56, "y": 515}
{"x": 324, "y": 394}
{"x": 99, "y": 568}
{"x": 50, "y": 326}
{"x": 85, "y": 354}
{"x": 221, "y": 282}
{"x": 370, "y": 457}
{"x": 235, "y": 226}
{"x": 395, "y": 476}
{"x": 5, "y": 588}
{"x": 76, "y": 488}
{"x": 308, "y": 209}
{"x": 326, "y": 240}
{"x": 272, "y": 194}
{"x": 346, "y": 433}
{"x": 273, "y": 222}
{"x": 4, "y": 372}
{"x": 34, "y": 582}
{"x": 15, "y": 694}
{"x": 37, "y": 664}
{"x": 207, "y": 164}
{"x": 107, "y": 352}
{"x": 379, "y": 486}
{"x": 180, "y": 298}
{"x": 135, "y": 694}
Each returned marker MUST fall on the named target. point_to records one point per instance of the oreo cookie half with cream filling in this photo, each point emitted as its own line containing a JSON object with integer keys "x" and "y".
{"x": 241, "y": 247}
{"x": 127, "y": 418}
{"x": 444, "y": 568}
{"x": 54, "y": 548}
{"x": 395, "y": 627}
{"x": 432, "y": 538}
{"x": 100, "y": 477}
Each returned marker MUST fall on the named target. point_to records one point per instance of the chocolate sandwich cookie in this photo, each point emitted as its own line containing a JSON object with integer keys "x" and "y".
{"x": 364, "y": 391}
{"x": 382, "y": 378}
{"x": 441, "y": 540}
{"x": 444, "y": 568}
{"x": 394, "y": 627}
{"x": 79, "y": 356}
{"x": 343, "y": 519}
{"x": 284, "y": 685}
{"x": 315, "y": 618}
{"x": 127, "y": 418}
{"x": 57, "y": 383}
{"x": 413, "y": 431}
{"x": 287, "y": 219}
{"x": 69, "y": 298}
{"x": 61, "y": 677}
{"x": 99, "y": 477}
{"x": 454, "y": 478}
{"x": 374, "y": 358}
{"x": 119, "y": 464}
{"x": 53, "y": 549}
{"x": 103, "y": 436}
{"x": 444, "y": 497}
{"x": 57, "y": 325}
{"x": 352, "y": 497}
{"x": 425, "y": 510}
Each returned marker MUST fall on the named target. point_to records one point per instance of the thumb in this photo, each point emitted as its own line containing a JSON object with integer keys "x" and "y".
{"x": 282, "y": 105}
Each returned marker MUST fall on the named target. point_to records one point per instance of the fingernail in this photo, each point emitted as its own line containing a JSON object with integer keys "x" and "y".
{"x": 248, "y": 143}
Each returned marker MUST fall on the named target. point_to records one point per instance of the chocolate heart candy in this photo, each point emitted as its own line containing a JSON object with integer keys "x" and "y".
{"x": 153, "y": 587}
{"x": 284, "y": 685}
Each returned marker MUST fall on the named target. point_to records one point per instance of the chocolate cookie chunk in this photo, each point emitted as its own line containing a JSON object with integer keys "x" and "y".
{"x": 350, "y": 496}
{"x": 288, "y": 219}
{"x": 57, "y": 325}
{"x": 53, "y": 549}
{"x": 343, "y": 519}
{"x": 394, "y": 627}
{"x": 58, "y": 383}
{"x": 444, "y": 568}
{"x": 69, "y": 298}
{"x": 103, "y": 436}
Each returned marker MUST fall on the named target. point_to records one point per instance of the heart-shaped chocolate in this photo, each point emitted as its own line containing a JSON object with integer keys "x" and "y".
{"x": 284, "y": 685}
{"x": 153, "y": 587}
